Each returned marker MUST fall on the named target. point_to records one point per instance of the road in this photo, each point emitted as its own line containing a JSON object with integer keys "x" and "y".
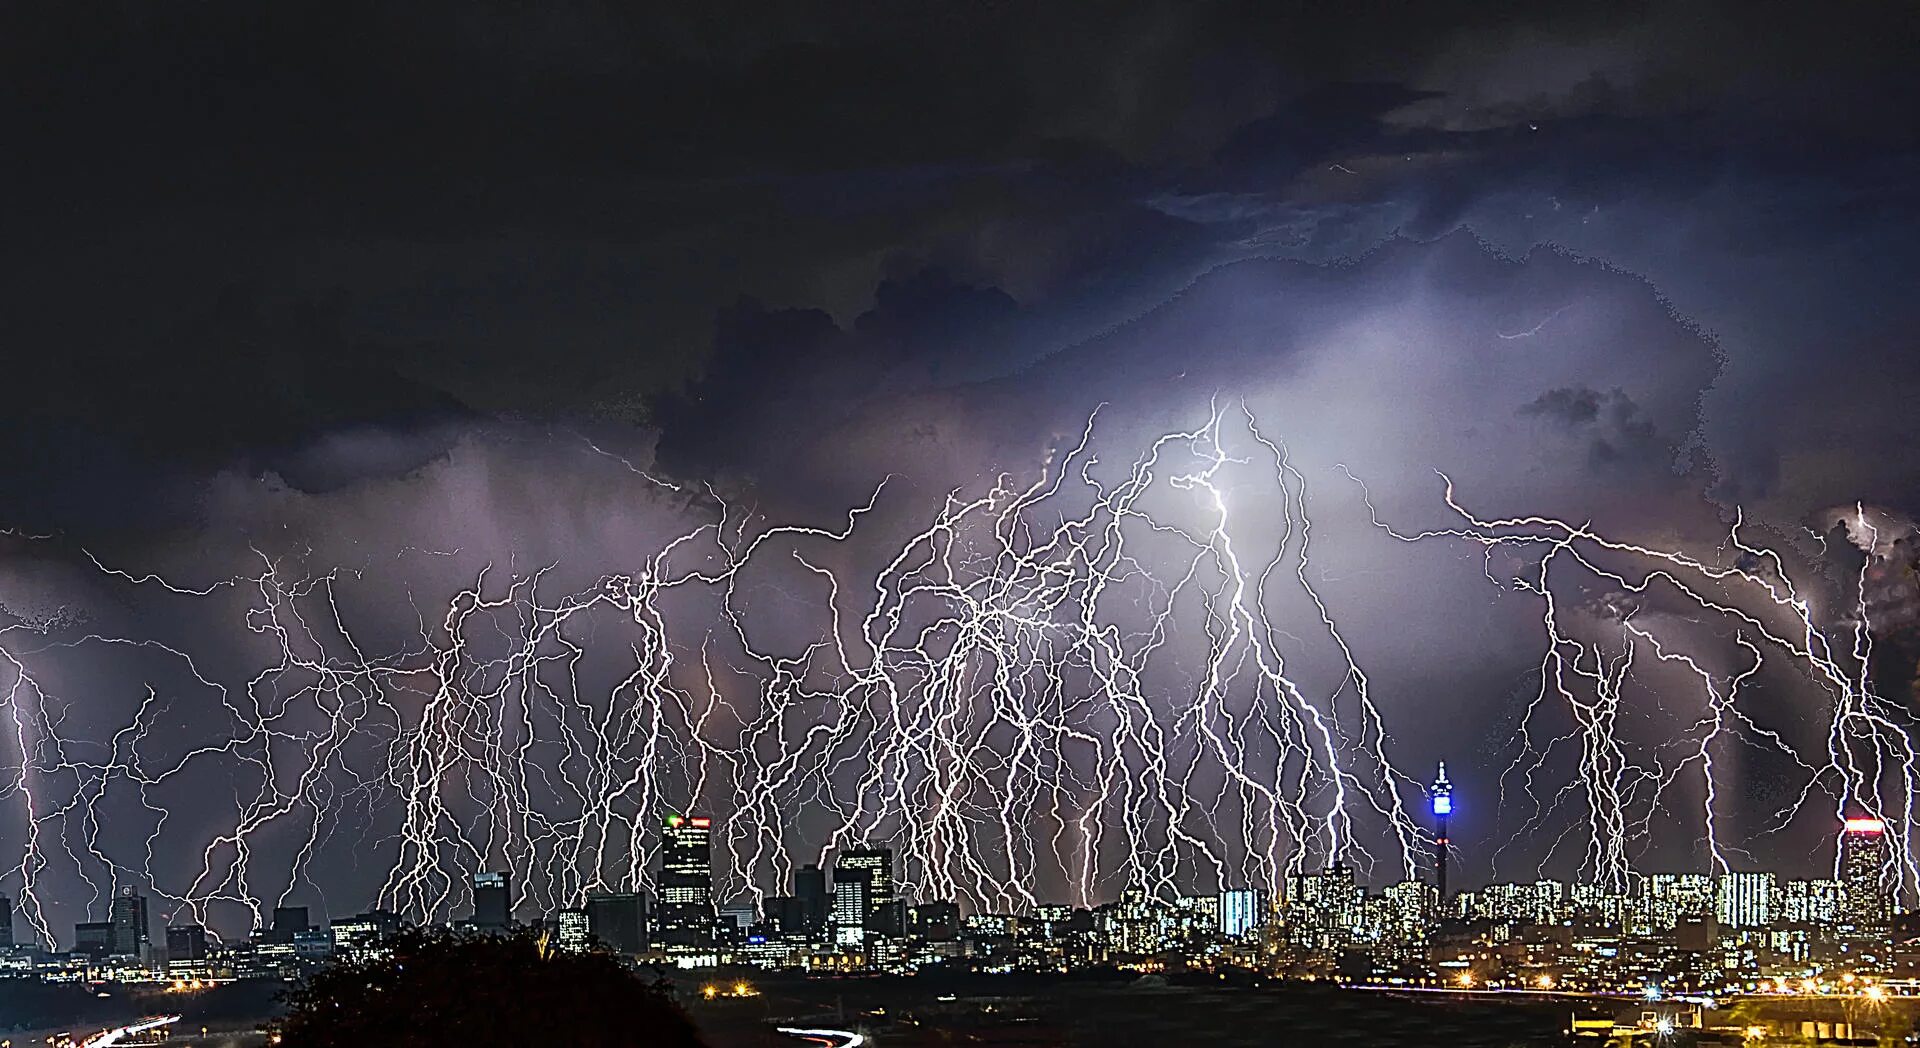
{"x": 827, "y": 1038}
{"x": 108, "y": 1038}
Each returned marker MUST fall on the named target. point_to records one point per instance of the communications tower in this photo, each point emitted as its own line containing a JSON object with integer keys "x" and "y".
{"x": 1442, "y": 807}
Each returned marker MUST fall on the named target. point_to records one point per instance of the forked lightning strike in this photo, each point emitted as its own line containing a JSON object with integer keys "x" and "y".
{"x": 1056, "y": 688}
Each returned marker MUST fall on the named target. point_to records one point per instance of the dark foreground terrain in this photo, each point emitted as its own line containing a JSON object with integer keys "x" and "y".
{"x": 1114, "y": 1013}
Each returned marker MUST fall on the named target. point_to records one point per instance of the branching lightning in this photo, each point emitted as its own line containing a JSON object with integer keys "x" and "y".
{"x": 1050, "y": 688}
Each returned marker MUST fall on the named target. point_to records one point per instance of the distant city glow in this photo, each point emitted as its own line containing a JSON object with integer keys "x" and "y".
{"x": 1865, "y": 826}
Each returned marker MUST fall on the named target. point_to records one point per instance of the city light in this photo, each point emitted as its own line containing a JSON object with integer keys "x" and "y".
{"x": 1865, "y": 826}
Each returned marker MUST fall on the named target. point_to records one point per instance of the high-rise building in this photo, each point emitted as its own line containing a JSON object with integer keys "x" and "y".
{"x": 360, "y": 938}
{"x": 132, "y": 935}
{"x": 1240, "y": 912}
{"x": 1744, "y": 900}
{"x": 619, "y": 921}
{"x": 1442, "y": 809}
{"x": 1666, "y": 900}
{"x": 289, "y": 921}
{"x": 572, "y": 931}
{"x": 6, "y": 922}
{"x": 851, "y": 906}
{"x": 1324, "y": 909}
{"x": 493, "y": 900}
{"x": 93, "y": 938}
{"x": 186, "y": 949}
{"x": 1863, "y": 866}
{"x": 810, "y": 887}
{"x": 686, "y": 885}
{"x": 875, "y": 866}
{"x": 1809, "y": 902}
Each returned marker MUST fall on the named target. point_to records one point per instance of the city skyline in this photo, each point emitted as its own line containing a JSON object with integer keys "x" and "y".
{"x": 680, "y": 912}
{"x": 1326, "y": 491}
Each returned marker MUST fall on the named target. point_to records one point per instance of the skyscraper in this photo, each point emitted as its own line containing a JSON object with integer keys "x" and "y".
{"x": 1239, "y": 912}
{"x": 493, "y": 900}
{"x": 572, "y": 931}
{"x": 1744, "y": 900}
{"x": 618, "y": 920}
{"x": 875, "y": 866}
{"x": 810, "y": 887}
{"x": 852, "y": 904}
{"x": 6, "y": 922}
{"x": 686, "y": 885}
{"x": 131, "y": 936}
{"x": 1863, "y": 862}
{"x": 361, "y": 938}
{"x": 186, "y": 948}
{"x": 93, "y": 938}
{"x": 1442, "y": 808}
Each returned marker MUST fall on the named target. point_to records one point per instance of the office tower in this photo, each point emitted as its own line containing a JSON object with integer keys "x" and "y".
{"x": 851, "y": 904}
{"x": 618, "y": 920}
{"x": 1744, "y": 900}
{"x": 289, "y": 921}
{"x": 572, "y": 931}
{"x": 1442, "y": 808}
{"x": 186, "y": 943}
{"x": 359, "y": 938}
{"x": 6, "y": 922}
{"x": 1324, "y": 908}
{"x": 686, "y": 885}
{"x": 875, "y": 866}
{"x": 493, "y": 900}
{"x": 1863, "y": 864}
{"x": 810, "y": 887}
{"x": 1239, "y": 912}
{"x": 132, "y": 936}
{"x": 93, "y": 938}
{"x": 1810, "y": 902}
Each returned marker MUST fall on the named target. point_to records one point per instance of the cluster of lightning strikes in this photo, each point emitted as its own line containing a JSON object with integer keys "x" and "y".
{"x": 1052, "y": 690}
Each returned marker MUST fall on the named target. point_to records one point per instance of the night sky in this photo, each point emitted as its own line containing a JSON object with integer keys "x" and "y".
{"x": 340, "y": 287}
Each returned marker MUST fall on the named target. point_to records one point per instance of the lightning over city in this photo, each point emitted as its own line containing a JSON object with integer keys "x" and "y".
{"x": 899, "y": 525}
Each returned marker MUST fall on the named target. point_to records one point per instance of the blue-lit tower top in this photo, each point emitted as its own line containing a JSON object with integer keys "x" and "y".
{"x": 1442, "y": 793}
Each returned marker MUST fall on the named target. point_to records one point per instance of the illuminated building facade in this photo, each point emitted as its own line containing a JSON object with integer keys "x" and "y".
{"x": 851, "y": 908}
{"x": 1863, "y": 865}
{"x": 359, "y": 938}
{"x": 1744, "y": 900}
{"x": 875, "y": 867}
{"x": 1240, "y": 912}
{"x": 686, "y": 886}
{"x": 572, "y": 931}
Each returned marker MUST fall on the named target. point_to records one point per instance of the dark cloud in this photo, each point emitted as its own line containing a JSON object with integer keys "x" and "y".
{"x": 359, "y": 278}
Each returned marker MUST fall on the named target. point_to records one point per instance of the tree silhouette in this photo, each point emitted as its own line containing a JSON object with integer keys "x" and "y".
{"x": 443, "y": 989}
